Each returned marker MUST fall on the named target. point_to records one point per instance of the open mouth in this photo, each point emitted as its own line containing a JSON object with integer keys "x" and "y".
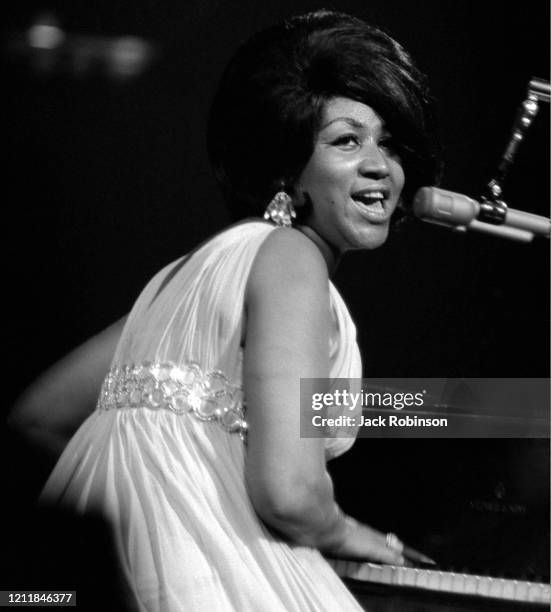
{"x": 372, "y": 204}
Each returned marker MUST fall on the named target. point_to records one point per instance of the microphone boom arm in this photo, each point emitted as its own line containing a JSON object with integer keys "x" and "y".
{"x": 538, "y": 91}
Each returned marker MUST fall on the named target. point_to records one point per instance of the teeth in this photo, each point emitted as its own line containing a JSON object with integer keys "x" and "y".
{"x": 372, "y": 195}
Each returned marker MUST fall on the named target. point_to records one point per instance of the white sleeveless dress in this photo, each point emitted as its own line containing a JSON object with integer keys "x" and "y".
{"x": 162, "y": 456}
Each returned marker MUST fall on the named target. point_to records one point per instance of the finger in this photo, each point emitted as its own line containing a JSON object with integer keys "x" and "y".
{"x": 385, "y": 549}
{"x": 390, "y": 557}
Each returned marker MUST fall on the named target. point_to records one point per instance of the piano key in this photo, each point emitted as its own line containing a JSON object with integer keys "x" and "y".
{"x": 421, "y": 579}
{"x": 496, "y": 588}
{"x": 458, "y": 581}
{"x": 470, "y": 584}
{"x": 387, "y": 574}
{"x": 521, "y": 591}
{"x": 484, "y": 585}
{"x": 446, "y": 581}
{"x": 435, "y": 578}
{"x": 508, "y": 589}
{"x": 402, "y": 576}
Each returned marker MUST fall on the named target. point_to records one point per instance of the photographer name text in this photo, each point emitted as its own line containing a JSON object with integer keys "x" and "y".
{"x": 378, "y": 421}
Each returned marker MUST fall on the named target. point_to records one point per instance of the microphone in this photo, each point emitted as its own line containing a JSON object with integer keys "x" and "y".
{"x": 462, "y": 213}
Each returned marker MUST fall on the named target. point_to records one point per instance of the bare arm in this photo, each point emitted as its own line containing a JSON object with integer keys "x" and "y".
{"x": 287, "y": 337}
{"x": 50, "y": 411}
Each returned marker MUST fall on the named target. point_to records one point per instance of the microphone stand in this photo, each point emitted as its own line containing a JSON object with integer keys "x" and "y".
{"x": 493, "y": 209}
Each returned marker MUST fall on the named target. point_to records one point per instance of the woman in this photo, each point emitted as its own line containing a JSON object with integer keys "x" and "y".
{"x": 194, "y": 451}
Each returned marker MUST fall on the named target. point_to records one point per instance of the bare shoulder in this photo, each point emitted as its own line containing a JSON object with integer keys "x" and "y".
{"x": 287, "y": 257}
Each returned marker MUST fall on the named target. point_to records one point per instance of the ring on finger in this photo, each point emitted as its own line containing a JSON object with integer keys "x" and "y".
{"x": 392, "y": 542}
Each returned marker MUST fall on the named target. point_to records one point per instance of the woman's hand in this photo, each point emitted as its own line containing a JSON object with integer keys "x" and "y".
{"x": 363, "y": 543}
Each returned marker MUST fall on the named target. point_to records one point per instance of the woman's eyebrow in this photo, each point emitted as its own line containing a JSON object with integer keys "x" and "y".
{"x": 353, "y": 123}
{"x": 350, "y": 120}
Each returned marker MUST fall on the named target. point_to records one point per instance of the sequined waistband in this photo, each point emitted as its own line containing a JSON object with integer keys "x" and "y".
{"x": 208, "y": 396}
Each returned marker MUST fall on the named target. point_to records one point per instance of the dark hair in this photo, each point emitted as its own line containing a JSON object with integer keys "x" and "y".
{"x": 271, "y": 97}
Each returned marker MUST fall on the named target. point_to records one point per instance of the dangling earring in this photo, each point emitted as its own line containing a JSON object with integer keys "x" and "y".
{"x": 281, "y": 210}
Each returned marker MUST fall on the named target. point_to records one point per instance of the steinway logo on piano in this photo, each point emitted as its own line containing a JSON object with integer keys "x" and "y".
{"x": 496, "y": 507}
{"x": 499, "y": 505}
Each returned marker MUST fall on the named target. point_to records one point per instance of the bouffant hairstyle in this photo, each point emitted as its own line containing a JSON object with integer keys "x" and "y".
{"x": 270, "y": 101}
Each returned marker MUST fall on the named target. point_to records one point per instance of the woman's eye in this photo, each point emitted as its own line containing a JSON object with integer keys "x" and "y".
{"x": 346, "y": 141}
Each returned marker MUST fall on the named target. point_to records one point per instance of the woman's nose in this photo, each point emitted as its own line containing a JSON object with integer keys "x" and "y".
{"x": 373, "y": 162}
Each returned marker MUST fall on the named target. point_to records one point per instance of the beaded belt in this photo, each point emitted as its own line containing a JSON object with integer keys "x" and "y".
{"x": 183, "y": 389}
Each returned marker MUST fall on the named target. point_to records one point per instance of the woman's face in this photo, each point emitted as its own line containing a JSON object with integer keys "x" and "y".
{"x": 353, "y": 179}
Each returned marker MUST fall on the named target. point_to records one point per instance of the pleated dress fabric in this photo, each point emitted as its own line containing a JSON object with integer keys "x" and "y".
{"x": 171, "y": 479}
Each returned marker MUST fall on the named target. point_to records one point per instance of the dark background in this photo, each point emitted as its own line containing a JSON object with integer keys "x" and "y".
{"x": 105, "y": 181}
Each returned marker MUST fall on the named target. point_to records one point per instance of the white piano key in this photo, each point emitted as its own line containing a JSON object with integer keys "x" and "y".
{"x": 508, "y": 591}
{"x": 496, "y": 588}
{"x": 533, "y": 592}
{"x": 539, "y": 593}
{"x": 521, "y": 591}
{"x": 470, "y": 584}
{"x": 409, "y": 578}
{"x": 422, "y": 579}
{"x": 386, "y": 574}
{"x": 434, "y": 578}
{"x": 446, "y": 581}
{"x": 401, "y": 575}
{"x": 484, "y": 586}
{"x": 458, "y": 581}
{"x": 376, "y": 572}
